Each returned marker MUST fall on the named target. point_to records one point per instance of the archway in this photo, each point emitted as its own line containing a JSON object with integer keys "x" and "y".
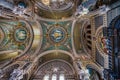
{"x": 94, "y": 75}
{"x": 113, "y": 39}
{"x": 94, "y": 72}
{"x": 54, "y": 66}
{"x": 54, "y": 70}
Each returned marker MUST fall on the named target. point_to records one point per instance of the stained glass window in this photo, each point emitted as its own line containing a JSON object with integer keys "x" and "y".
{"x": 61, "y": 77}
{"x": 46, "y": 77}
{"x": 54, "y": 77}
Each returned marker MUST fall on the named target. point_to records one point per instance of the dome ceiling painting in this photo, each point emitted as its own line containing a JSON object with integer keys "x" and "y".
{"x": 15, "y": 36}
{"x": 51, "y": 27}
{"x": 56, "y": 35}
{"x": 47, "y": 37}
{"x": 55, "y": 67}
{"x": 57, "y": 4}
{"x": 55, "y": 9}
{"x": 15, "y": 32}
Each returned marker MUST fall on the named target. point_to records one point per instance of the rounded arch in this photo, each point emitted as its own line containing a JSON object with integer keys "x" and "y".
{"x": 61, "y": 61}
{"x": 43, "y": 10}
{"x": 114, "y": 44}
{"x": 81, "y": 25}
{"x": 73, "y": 44}
{"x": 115, "y": 23}
{"x": 37, "y": 60}
{"x": 86, "y": 36}
{"x": 56, "y": 66}
{"x": 52, "y": 51}
{"x": 97, "y": 69}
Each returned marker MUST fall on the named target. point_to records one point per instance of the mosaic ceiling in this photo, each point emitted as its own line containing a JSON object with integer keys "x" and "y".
{"x": 56, "y": 35}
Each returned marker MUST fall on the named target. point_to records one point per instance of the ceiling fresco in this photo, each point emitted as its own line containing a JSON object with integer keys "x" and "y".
{"x": 42, "y": 39}
{"x": 56, "y": 35}
{"x": 56, "y": 4}
{"x": 15, "y": 37}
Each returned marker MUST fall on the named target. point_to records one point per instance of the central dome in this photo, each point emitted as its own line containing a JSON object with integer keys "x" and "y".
{"x": 56, "y": 4}
{"x": 55, "y": 9}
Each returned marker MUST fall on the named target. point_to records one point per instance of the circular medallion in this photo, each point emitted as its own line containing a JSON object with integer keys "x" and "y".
{"x": 57, "y": 34}
{"x": 20, "y": 34}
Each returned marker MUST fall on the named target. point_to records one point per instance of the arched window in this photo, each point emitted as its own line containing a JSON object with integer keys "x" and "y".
{"x": 61, "y": 77}
{"x": 54, "y": 0}
{"x": 54, "y": 77}
{"x": 46, "y": 77}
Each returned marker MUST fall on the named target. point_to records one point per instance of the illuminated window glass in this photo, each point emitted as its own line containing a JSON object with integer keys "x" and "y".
{"x": 54, "y": 0}
{"x": 46, "y": 77}
{"x": 61, "y": 77}
{"x": 54, "y": 77}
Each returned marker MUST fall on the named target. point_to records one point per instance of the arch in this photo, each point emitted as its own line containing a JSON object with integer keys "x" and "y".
{"x": 56, "y": 66}
{"x": 97, "y": 69}
{"x": 113, "y": 22}
{"x": 84, "y": 25}
{"x": 93, "y": 74}
{"x": 72, "y": 39}
{"x": 44, "y": 11}
{"x": 61, "y": 61}
{"x": 114, "y": 45}
{"x": 52, "y": 51}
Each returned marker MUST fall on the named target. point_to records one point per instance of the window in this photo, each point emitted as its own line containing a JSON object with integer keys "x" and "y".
{"x": 61, "y": 77}
{"x": 54, "y": 77}
{"x": 54, "y": 0}
{"x": 46, "y": 77}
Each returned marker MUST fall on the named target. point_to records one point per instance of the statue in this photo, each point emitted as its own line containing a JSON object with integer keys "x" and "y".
{"x": 17, "y": 74}
{"x": 1, "y": 73}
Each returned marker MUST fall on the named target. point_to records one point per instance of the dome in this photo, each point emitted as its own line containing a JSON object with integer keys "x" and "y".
{"x": 54, "y": 8}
